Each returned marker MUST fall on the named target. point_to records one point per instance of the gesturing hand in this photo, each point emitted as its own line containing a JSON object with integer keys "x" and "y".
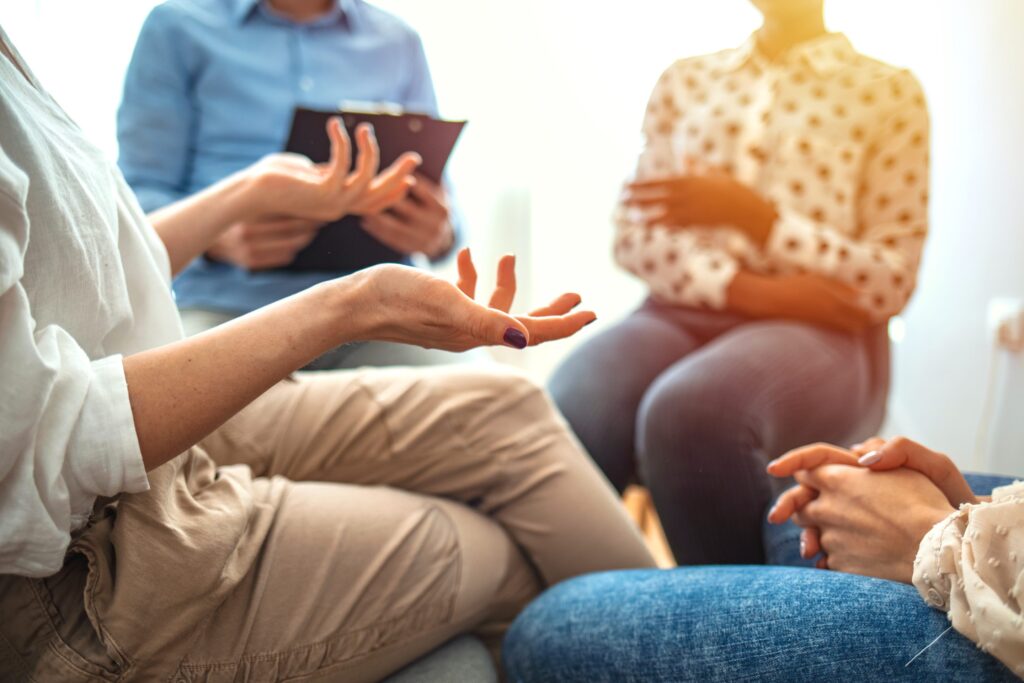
{"x": 290, "y": 185}
{"x": 709, "y": 199}
{"x": 411, "y": 306}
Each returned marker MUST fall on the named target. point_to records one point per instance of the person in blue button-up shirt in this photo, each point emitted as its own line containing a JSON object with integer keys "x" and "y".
{"x": 211, "y": 89}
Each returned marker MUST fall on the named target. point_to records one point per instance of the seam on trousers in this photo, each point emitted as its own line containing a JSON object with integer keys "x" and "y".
{"x": 57, "y": 647}
{"x": 127, "y": 664}
{"x": 383, "y": 411}
{"x": 418, "y": 616}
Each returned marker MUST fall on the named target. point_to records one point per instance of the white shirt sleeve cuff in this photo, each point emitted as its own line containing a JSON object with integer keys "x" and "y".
{"x": 107, "y": 458}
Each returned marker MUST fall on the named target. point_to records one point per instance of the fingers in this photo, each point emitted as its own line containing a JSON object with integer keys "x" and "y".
{"x": 379, "y": 201}
{"x": 810, "y": 542}
{"x": 557, "y": 327}
{"x": 467, "y": 273}
{"x": 341, "y": 152}
{"x": 276, "y": 252}
{"x": 790, "y": 502}
{"x": 809, "y": 457}
{"x": 646, "y": 198}
{"x": 395, "y": 233}
{"x": 392, "y": 184}
{"x": 654, "y": 184}
{"x": 505, "y": 287}
{"x": 257, "y": 232}
{"x": 492, "y": 327}
{"x": 367, "y": 161}
{"x": 429, "y": 193}
{"x": 865, "y": 447}
{"x": 559, "y": 306}
{"x": 902, "y": 452}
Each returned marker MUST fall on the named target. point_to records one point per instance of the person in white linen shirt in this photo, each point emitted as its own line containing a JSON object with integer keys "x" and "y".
{"x": 777, "y": 217}
{"x": 173, "y": 533}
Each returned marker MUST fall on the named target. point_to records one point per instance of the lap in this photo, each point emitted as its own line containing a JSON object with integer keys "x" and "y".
{"x": 354, "y": 582}
{"x": 405, "y": 427}
{"x": 625, "y": 358}
{"x": 738, "y": 623}
{"x": 790, "y": 382}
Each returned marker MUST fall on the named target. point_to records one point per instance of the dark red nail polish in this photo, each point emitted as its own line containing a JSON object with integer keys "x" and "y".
{"x": 515, "y": 338}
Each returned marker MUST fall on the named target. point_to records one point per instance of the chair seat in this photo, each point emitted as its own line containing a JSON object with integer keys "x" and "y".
{"x": 462, "y": 660}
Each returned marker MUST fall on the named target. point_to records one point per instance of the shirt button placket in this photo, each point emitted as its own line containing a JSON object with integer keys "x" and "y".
{"x": 304, "y": 81}
{"x": 750, "y": 155}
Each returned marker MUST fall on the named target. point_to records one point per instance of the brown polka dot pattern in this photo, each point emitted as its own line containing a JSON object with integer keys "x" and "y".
{"x": 838, "y": 142}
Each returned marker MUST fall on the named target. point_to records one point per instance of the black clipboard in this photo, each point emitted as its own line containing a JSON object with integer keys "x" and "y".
{"x": 344, "y": 245}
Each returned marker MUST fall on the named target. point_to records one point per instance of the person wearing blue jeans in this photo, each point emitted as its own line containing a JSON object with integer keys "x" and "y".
{"x": 777, "y": 217}
{"x": 792, "y": 623}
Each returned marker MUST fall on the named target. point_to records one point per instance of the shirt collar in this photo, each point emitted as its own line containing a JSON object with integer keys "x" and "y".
{"x": 825, "y": 54}
{"x": 340, "y": 10}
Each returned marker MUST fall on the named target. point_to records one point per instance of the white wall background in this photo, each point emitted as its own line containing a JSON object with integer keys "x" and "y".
{"x": 555, "y": 90}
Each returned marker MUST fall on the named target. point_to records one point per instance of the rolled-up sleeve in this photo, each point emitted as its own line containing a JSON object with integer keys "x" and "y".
{"x": 971, "y": 565}
{"x": 67, "y": 434}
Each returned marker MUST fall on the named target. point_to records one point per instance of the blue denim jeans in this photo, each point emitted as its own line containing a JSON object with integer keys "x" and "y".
{"x": 694, "y": 403}
{"x": 741, "y": 623}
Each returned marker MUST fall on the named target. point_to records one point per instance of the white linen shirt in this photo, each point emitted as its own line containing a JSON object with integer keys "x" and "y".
{"x": 83, "y": 280}
{"x": 836, "y": 140}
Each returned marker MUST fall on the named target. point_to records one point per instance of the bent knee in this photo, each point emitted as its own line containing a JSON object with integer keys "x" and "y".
{"x": 687, "y": 419}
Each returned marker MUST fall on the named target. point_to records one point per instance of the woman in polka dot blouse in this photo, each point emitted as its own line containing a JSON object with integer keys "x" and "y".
{"x": 777, "y": 215}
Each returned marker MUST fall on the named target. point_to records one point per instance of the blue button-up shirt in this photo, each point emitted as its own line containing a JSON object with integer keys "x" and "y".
{"x": 211, "y": 88}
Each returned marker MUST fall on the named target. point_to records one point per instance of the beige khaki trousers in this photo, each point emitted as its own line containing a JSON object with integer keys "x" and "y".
{"x": 402, "y": 507}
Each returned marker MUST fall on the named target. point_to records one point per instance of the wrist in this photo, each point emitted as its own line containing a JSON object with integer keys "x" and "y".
{"x": 245, "y": 193}
{"x": 762, "y": 220}
{"x": 348, "y": 315}
{"x": 751, "y": 294}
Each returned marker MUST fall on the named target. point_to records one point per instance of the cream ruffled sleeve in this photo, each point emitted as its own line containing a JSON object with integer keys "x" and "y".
{"x": 971, "y": 565}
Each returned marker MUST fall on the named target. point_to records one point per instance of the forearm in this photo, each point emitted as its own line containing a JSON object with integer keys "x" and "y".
{"x": 188, "y": 227}
{"x": 752, "y": 294}
{"x": 181, "y": 392}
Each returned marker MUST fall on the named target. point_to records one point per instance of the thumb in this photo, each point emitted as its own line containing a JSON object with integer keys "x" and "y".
{"x": 495, "y": 328}
{"x": 902, "y": 452}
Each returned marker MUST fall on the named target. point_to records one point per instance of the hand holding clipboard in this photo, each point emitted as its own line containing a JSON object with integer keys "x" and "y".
{"x": 343, "y": 245}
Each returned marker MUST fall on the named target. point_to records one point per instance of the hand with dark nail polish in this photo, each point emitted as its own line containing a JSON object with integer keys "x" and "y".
{"x": 411, "y": 306}
{"x": 515, "y": 338}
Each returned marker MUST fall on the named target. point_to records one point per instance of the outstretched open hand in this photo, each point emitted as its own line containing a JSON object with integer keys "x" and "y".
{"x": 411, "y": 306}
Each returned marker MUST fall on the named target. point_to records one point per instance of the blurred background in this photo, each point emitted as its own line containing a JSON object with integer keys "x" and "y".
{"x": 555, "y": 90}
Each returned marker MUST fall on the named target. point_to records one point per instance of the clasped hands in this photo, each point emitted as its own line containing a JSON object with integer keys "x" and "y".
{"x": 292, "y": 198}
{"x": 709, "y": 199}
{"x": 714, "y": 198}
{"x": 866, "y": 510}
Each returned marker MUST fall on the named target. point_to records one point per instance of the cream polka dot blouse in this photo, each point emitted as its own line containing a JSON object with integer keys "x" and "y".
{"x": 971, "y": 565}
{"x": 837, "y": 141}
